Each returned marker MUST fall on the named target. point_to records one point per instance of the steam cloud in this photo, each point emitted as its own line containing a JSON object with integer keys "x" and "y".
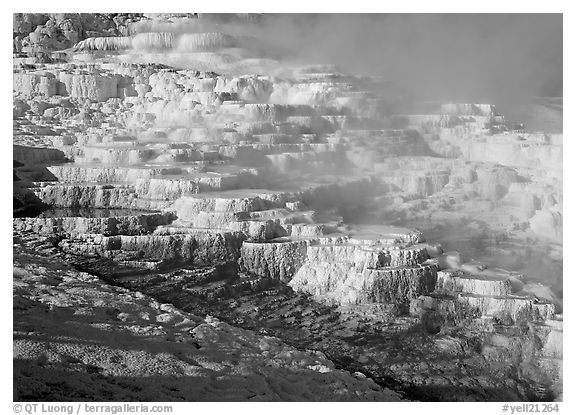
{"x": 491, "y": 57}
{"x": 464, "y": 57}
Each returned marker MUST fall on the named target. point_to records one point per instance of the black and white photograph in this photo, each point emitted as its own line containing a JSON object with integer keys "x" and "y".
{"x": 285, "y": 207}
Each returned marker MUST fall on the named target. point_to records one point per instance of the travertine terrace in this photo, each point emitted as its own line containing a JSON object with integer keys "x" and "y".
{"x": 185, "y": 202}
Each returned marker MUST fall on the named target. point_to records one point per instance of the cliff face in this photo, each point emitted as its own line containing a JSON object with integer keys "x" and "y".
{"x": 294, "y": 203}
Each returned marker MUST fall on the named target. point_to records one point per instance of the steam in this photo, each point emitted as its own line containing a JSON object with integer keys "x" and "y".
{"x": 492, "y": 57}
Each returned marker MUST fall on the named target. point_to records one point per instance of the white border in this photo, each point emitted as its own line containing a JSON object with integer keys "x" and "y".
{"x": 299, "y": 6}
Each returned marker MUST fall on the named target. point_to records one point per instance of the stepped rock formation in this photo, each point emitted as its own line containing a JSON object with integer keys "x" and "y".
{"x": 194, "y": 208}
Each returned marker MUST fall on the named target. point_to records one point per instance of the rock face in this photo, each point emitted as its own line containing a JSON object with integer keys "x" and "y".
{"x": 278, "y": 260}
{"x": 200, "y": 248}
{"x": 120, "y": 223}
{"x": 188, "y": 165}
{"x": 385, "y": 267}
{"x": 92, "y": 87}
